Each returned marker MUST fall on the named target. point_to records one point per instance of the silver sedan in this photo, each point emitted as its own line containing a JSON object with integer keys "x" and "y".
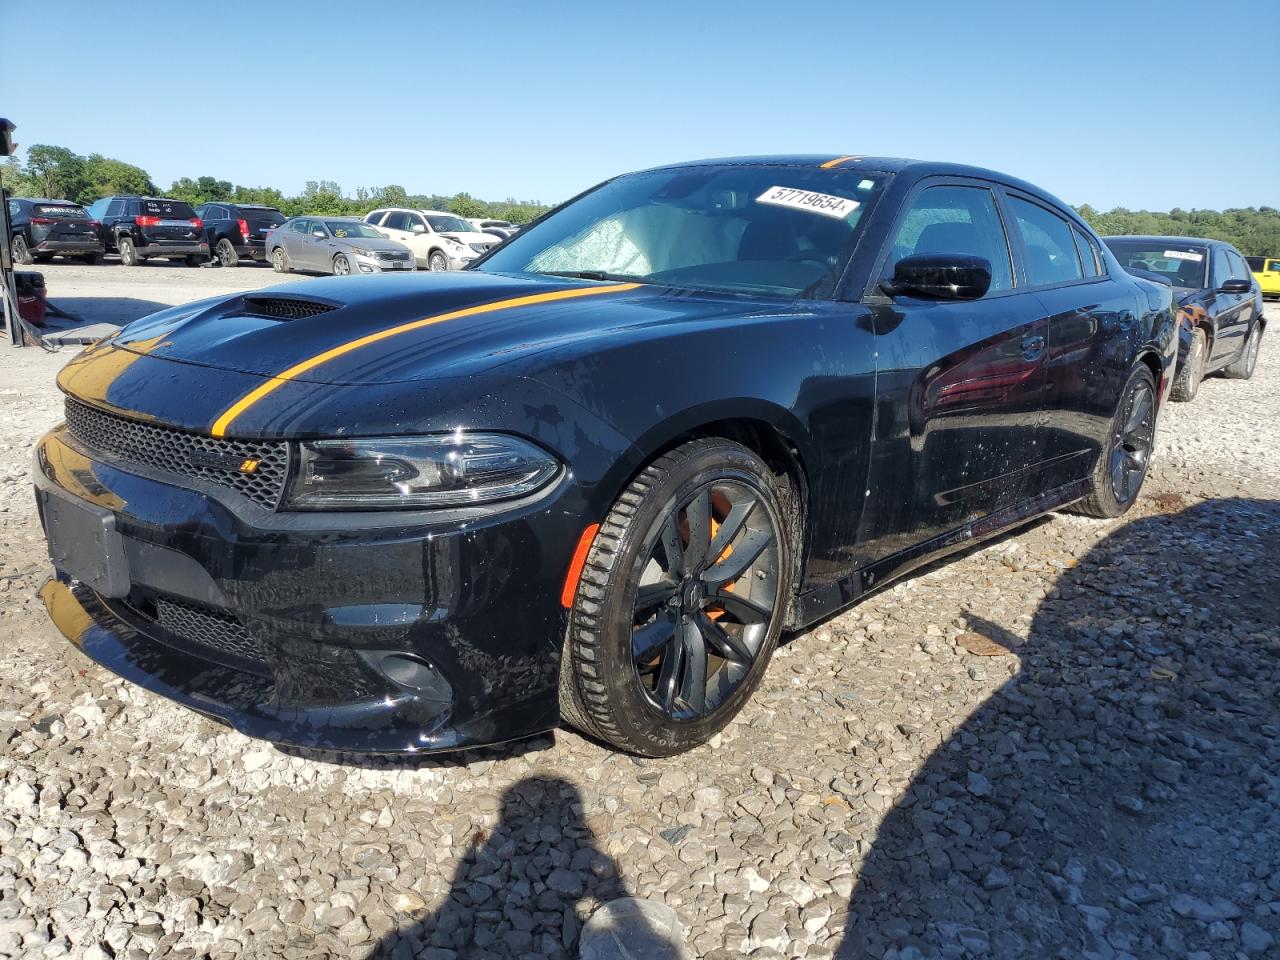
{"x": 337, "y": 245}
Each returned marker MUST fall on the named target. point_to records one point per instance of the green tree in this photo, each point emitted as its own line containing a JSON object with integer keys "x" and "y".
{"x": 105, "y": 176}
{"x": 55, "y": 172}
{"x": 465, "y": 205}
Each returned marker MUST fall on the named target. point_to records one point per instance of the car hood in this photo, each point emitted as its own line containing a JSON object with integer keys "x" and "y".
{"x": 472, "y": 237}
{"x": 380, "y": 329}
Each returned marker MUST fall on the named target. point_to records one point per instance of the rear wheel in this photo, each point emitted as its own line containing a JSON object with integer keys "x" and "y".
{"x": 437, "y": 261}
{"x": 1122, "y": 464}
{"x": 1242, "y": 368}
{"x": 1187, "y": 384}
{"x": 279, "y": 262}
{"x": 680, "y": 604}
{"x": 22, "y": 252}
{"x": 341, "y": 266}
{"x": 226, "y": 253}
{"x": 128, "y": 252}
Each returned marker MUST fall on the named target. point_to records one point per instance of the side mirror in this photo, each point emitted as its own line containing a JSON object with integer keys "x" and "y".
{"x": 319, "y": 234}
{"x": 1236, "y": 286}
{"x": 940, "y": 276}
{"x": 419, "y": 228}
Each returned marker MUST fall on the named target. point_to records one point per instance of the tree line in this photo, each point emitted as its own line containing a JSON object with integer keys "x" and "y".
{"x": 59, "y": 173}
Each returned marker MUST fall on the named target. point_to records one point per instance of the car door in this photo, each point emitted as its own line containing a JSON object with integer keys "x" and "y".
{"x": 1090, "y": 320}
{"x": 318, "y": 245}
{"x": 396, "y": 226}
{"x": 418, "y": 239}
{"x": 959, "y": 383}
{"x": 1229, "y": 311}
{"x": 295, "y": 242}
{"x": 1251, "y": 302}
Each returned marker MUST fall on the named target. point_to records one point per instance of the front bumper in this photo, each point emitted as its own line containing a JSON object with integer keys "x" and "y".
{"x": 353, "y": 632}
{"x": 363, "y": 264}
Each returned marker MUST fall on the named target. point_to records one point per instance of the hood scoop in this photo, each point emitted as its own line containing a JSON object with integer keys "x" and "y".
{"x": 285, "y": 308}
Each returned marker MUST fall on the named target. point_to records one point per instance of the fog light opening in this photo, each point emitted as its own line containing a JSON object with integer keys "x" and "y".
{"x": 414, "y": 673}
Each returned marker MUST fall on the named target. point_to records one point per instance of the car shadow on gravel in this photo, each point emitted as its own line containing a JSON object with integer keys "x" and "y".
{"x": 522, "y": 889}
{"x": 118, "y": 310}
{"x": 1120, "y": 796}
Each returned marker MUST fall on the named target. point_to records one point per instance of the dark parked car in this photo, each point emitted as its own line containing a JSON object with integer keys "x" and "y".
{"x": 595, "y": 476}
{"x": 1219, "y": 304}
{"x": 43, "y": 229}
{"x": 236, "y": 231}
{"x": 143, "y": 228}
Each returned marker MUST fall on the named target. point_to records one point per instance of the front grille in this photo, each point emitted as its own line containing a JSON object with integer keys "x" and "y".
{"x": 184, "y": 454}
{"x": 206, "y": 627}
{"x": 284, "y": 308}
{"x": 399, "y": 255}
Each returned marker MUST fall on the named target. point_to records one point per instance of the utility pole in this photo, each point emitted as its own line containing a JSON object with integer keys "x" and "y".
{"x": 10, "y": 297}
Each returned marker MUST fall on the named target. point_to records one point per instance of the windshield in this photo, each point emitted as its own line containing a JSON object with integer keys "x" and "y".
{"x": 450, "y": 225}
{"x": 346, "y": 229}
{"x": 773, "y": 230}
{"x": 168, "y": 209}
{"x": 1182, "y": 264}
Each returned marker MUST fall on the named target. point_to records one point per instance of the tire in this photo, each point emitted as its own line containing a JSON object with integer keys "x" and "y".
{"x": 280, "y": 261}
{"x": 1187, "y": 383}
{"x": 341, "y": 266}
{"x": 437, "y": 261}
{"x": 226, "y": 253}
{"x": 128, "y": 252}
{"x": 195, "y": 260}
{"x": 659, "y": 670}
{"x": 92, "y": 259}
{"x": 1243, "y": 366}
{"x": 1122, "y": 464}
{"x": 21, "y": 252}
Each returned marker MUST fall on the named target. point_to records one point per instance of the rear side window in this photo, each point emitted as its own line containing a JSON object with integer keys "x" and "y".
{"x": 1089, "y": 259}
{"x": 1221, "y": 266}
{"x": 375, "y": 218}
{"x": 397, "y": 221}
{"x": 1047, "y": 241}
{"x": 955, "y": 219}
{"x": 1239, "y": 269}
{"x": 115, "y": 208}
{"x": 1273, "y": 266}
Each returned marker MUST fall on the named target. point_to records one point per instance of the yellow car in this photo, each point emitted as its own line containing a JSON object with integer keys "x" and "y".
{"x": 1267, "y": 272}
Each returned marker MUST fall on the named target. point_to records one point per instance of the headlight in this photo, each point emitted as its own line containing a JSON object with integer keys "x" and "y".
{"x": 441, "y": 470}
{"x": 361, "y": 252}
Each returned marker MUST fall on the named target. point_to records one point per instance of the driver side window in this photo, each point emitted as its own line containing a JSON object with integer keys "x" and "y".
{"x": 955, "y": 219}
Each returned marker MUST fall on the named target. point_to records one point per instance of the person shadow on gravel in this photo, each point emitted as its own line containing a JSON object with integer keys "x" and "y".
{"x": 522, "y": 890}
{"x": 1120, "y": 796}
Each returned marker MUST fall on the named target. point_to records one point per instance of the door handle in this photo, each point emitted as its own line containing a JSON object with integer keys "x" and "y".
{"x": 1032, "y": 347}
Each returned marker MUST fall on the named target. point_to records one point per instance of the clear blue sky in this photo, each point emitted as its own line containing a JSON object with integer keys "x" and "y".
{"x": 1139, "y": 104}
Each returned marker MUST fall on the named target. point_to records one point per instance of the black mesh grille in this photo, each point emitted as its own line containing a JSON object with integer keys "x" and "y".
{"x": 398, "y": 255}
{"x": 185, "y": 454}
{"x": 285, "y": 308}
{"x": 206, "y": 627}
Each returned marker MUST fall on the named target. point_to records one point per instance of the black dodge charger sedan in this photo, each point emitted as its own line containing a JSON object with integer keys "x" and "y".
{"x": 594, "y": 477}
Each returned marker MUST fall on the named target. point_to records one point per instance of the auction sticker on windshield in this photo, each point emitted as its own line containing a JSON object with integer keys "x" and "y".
{"x": 1184, "y": 255}
{"x": 835, "y": 207}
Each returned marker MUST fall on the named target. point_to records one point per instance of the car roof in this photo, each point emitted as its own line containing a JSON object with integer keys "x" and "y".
{"x": 1155, "y": 237}
{"x": 69, "y": 203}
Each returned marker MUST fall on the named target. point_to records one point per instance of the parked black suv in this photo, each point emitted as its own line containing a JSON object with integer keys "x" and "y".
{"x": 139, "y": 228}
{"x": 235, "y": 230}
{"x": 43, "y": 229}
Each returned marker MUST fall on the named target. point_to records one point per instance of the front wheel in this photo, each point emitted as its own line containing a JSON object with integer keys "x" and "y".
{"x": 680, "y": 603}
{"x": 437, "y": 261}
{"x": 1187, "y": 383}
{"x": 1123, "y": 461}
{"x": 279, "y": 262}
{"x": 341, "y": 266}
{"x": 226, "y": 253}
{"x": 1243, "y": 366}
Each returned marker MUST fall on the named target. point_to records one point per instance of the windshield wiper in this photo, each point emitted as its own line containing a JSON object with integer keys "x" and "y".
{"x": 593, "y": 275}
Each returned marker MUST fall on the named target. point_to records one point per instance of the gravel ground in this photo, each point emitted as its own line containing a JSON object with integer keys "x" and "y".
{"x": 1060, "y": 744}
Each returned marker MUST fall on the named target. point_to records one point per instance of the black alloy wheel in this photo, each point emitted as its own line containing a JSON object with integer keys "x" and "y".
{"x": 681, "y": 601}
{"x": 697, "y": 626}
{"x": 1123, "y": 462}
{"x": 226, "y": 252}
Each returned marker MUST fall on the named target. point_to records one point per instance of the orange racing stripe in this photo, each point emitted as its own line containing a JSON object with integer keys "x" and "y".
{"x": 837, "y": 161}
{"x": 249, "y": 399}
